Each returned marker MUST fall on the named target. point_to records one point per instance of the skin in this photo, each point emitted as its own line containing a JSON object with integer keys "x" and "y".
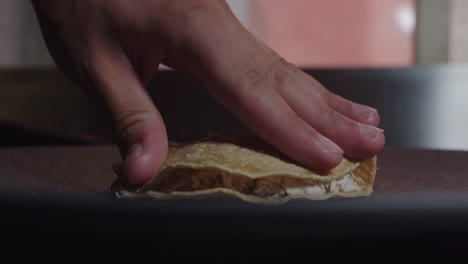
{"x": 112, "y": 48}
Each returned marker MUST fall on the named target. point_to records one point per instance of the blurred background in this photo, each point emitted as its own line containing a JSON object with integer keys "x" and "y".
{"x": 313, "y": 34}
{"x": 309, "y": 33}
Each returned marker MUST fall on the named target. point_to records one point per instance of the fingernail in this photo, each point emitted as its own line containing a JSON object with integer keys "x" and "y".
{"x": 364, "y": 112}
{"x": 134, "y": 152}
{"x": 328, "y": 146}
{"x": 370, "y": 131}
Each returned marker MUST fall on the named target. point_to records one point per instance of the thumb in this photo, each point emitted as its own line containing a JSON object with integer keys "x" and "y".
{"x": 142, "y": 140}
{"x": 139, "y": 128}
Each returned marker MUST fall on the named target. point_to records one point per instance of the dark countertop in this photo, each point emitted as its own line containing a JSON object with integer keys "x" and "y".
{"x": 61, "y": 194}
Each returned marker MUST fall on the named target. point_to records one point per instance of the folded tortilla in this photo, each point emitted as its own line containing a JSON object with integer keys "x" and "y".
{"x": 245, "y": 167}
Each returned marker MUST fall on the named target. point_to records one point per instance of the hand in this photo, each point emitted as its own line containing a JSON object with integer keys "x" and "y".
{"x": 113, "y": 48}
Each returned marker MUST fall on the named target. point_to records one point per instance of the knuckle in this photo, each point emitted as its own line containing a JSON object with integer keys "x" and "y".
{"x": 330, "y": 115}
{"x": 286, "y": 64}
{"x": 196, "y": 9}
{"x": 248, "y": 92}
{"x": 198, "y": 6}
{"x": 198, "y": 13}
{"x": 278, "y": 72}
{"x": 191, "y": 15}
{"x": 253, "y": 78}
{"x": 127, "y": 121}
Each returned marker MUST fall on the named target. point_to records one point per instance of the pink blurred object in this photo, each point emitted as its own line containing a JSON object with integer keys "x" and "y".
{"x": 338, "y": 33}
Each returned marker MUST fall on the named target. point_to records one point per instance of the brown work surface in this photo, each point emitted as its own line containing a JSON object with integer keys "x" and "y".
{"x": 88, "y": 170}
{"x": 38, "y": 219}
{"x": 42, "y": 169}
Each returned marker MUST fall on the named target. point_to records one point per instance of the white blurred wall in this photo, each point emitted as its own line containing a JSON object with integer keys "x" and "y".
{"x": 442, "y": 34}
{"x": 458, "y": 36}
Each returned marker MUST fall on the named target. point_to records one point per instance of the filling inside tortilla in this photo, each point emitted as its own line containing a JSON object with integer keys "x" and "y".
{"x": 187, "y": 180}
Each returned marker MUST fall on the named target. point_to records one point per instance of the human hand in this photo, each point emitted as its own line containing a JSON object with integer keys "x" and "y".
{"x": 114, "y": 47}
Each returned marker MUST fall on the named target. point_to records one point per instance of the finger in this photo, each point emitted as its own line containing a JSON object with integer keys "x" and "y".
{"x": 252, "y": 98}
{"x": 139, "y": 127}
{"x": 358, "y": 112}
{"x": 348, "y": 124}
{"x": 358, "y": 140}
{"x": 266, "y": 113}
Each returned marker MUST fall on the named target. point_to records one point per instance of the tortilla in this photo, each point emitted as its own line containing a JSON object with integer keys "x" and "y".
{"x": 245, "y": 167}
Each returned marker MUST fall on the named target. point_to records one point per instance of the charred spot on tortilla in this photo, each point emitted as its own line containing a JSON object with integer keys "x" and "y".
{"x": 246, "y": 167}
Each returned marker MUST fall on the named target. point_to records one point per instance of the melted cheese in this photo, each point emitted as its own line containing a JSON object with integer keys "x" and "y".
{"x": 346, "y": 184}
